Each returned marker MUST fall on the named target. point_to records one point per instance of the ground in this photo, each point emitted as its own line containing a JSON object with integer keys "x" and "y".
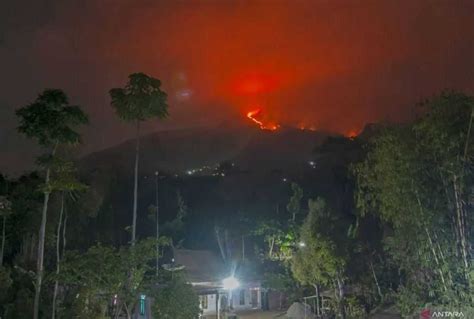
{"x": 260, "y": 315}
{"x": 271, "y": 315}
{"x": 257, "y": 314}
{"x": 388, "y": 313}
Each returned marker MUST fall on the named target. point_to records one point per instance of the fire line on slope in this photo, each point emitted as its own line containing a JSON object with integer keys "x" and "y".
{"x": 254, "y": 116}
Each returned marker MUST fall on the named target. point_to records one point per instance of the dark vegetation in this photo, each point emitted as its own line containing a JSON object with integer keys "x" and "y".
{"x": 377, "y": 220}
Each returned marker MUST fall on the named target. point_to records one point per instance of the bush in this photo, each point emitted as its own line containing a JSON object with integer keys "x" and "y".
{"x": 355, "y": 310}
{"x": 177, "y": 300}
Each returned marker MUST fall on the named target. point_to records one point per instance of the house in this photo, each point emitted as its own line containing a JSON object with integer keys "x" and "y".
{"x": 219, "y": 289}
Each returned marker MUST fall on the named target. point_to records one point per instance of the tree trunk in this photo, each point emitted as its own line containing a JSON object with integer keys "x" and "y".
{"x": 376, "y": 281}
{"x": 41, "y": 240}
{"x": 272, "y": 245}
{"x": 461, "y": 223}
{"x": 118, "y": 308}
{"x": 31, "y": 248}
{"x": 340, "y": 288}
{"x": 318, "y": 306}
{"x": 3, "y": 238}
{"x": 454, "y": 228}
{"x": 432, "y": 246}
{"x": 64, "y": 231}
{"x": 127, "y": 310}
{"x": 243, "y": 249}
{"x": 135, "y": 188}
{"x": 227, "y": 244}
{"x": 443, "y": 259}
{"x": 435, "y": 255}
{"x": 466, "y": 145}
{"x": 220, "y": 243}
{"x": 157, "y": 230}
{"x": 58, "y": 256}
{"x": 466, "y": 149}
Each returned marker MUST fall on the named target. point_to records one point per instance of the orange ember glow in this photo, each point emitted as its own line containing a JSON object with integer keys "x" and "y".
{"x": 305, "y": 127}
{"x": 352, "y": 134}
{"x": 252, "y": 115}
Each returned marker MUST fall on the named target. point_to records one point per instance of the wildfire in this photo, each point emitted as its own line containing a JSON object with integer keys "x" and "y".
{"x": 305, "y": 127}
{"x": 252, "y": 115}
{"x": 352, "y": 134}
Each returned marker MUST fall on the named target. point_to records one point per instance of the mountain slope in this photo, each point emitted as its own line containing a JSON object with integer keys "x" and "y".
{"x": 182, "y": 150}
{"x": 221, "y": 173}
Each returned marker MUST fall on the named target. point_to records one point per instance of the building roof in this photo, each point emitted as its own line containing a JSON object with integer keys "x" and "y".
{"x": 201, "y": 266}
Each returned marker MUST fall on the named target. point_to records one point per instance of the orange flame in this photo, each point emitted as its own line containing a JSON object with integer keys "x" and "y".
{"x": 352, "y": 134}
{"x": 252, "y": 115}
{"x": 305, "y": 127}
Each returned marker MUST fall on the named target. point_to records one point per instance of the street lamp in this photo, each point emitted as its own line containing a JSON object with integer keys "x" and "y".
{"x": 230, "y": 283}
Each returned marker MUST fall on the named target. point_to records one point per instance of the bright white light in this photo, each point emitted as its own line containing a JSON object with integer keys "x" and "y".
{"x": 302, "y": 244}
{"x": 230, "y": 283}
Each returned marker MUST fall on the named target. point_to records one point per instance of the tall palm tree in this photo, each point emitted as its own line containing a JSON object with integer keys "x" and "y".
{"x": 50, "y": 120}
{"x": 141, "y": 99}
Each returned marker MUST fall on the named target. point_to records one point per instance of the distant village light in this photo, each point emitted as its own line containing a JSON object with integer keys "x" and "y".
{"x": 230, "y": 283}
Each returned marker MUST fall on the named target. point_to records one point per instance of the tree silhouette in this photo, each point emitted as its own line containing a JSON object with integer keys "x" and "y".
{"x": 51, "y": 121}
{"x": 141, "y": 99}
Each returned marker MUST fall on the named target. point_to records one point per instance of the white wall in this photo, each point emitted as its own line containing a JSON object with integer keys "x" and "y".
{"x": 211, "y": 305}
{"x": 211, "y": 300}
{"x": 248, "y": 299}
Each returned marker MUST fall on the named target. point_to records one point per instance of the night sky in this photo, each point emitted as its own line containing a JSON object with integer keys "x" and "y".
{"x": 334, "y": 65}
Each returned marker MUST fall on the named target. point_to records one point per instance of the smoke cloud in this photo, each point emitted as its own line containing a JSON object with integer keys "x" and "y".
{"x": 334, "y": 65}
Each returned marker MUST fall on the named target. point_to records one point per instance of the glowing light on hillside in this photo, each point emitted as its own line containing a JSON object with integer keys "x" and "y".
{"x": 305, "y": 127}
{"x": 254, "y": 116}
{"x": 352, "y": 134}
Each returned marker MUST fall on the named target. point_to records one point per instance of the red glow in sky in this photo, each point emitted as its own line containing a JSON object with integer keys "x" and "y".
{"x": 255, "y": 84}
{"x": 331, "y": 65}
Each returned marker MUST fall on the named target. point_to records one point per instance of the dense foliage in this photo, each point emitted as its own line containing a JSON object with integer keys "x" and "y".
{"x": 417, "y": 179}
{"x": 177, "y": 300}
{"x": 105, "y": 275}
